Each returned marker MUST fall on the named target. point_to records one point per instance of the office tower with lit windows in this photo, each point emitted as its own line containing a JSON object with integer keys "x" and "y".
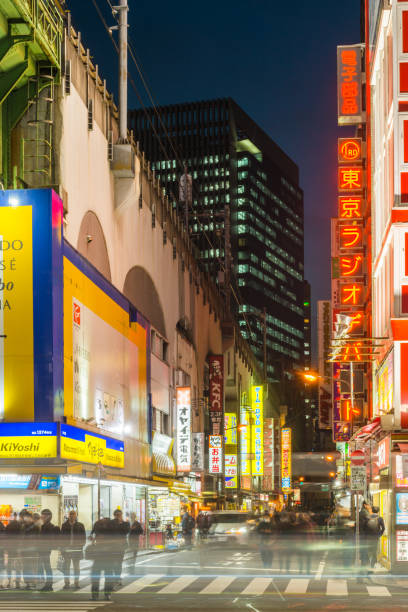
{"x": 244, "y": 186}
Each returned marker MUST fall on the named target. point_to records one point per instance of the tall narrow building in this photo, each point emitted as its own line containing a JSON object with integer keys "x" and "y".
{"x": 246, "y": 198}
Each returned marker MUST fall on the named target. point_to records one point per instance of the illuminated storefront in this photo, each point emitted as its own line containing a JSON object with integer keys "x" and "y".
{"x": 82, "y": 350}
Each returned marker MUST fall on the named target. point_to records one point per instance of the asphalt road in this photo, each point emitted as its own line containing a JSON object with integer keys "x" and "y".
{"x": 208, "y": 578}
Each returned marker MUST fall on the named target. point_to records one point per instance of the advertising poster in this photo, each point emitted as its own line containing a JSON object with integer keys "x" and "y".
{"x": 402, "y": 545}
{"x": 401, "y": 507}
{"x": 216, "y": 393}
{"x": 286, "y": 458}
{"x": 230, "y": 428}
{"x": 245, "y": 442}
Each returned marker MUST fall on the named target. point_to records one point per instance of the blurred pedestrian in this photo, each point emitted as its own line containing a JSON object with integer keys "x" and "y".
{"x": 102, "y": 535}
{"x": 48, "y": 540}
{"x": 364, "y": 532}
{"x": 187, "y": 527}
{"x": 73, "y": 538}
{"x": 375, "y": 529}
{"x": 30, "y": 533}
{"x": 12, "y": 546}
{"x": 266, "y": 531}
{"x": 136, "y": 530}
{"x": 120, "y": 531}
{"x": 305, "y": 540}
{"x": 203, "y": 524}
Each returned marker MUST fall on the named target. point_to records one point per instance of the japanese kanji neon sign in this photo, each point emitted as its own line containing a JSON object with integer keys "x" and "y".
{"x": 348, "y": 411}
{"x": 349, "y": 85}
{"x": 351, "y": 295}
{"x": 350, "y": 207}
{"x": 351, "y": 236}
{"x": 349, "y": 150}
{"x": 351, "y": 265}
{"x": 351, "y": 178}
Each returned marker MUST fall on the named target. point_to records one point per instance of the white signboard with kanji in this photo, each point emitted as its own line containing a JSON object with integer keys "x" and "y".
{"x": 183, "y": 398}
{"x": 358, "y": 477}
{"x": 215, "y": 454}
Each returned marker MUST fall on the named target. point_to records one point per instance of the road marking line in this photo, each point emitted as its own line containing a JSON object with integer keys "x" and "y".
{"x": 378, "y": 591}
{"x": 218, "y": 585}
{"x": 257, "y": 586}
{"x": 178, "y": 585}
{"x": 337, "y": 587}
{"x": 297, "y": 586}
{"x": 141, "y": 583}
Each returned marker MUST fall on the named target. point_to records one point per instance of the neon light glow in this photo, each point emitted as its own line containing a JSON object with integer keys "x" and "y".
{"x": 350, "y": 178}
{"x": 351, "y": 236}
{"x": 349, "y": 149}
{"x": 351, "y": 294}
{"x": 351, "y": 266}
{"x": 350, "y": 207}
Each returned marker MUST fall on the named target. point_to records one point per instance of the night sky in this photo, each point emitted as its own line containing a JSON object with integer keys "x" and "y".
{"x": 276, "y": 59}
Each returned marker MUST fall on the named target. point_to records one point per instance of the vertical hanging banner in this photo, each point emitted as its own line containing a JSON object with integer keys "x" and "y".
{"x": 245, "y": 440}
{"x": 349, "y": 98}
{"x": 183, "y": 402}
{"x": 324, "y": 328}
{"x": 268, "y": 481}
{"x": 231, "y": 480}
{"x": 257, "y": 430}
{"x": 215, "y": 454}
{"x": 197, "y": 462}
{"x": 286, "y": 459}
{"x": 230, "y": 428}
{"x": 216, "y": 394}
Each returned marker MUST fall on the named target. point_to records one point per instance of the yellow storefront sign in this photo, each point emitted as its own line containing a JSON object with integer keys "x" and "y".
{"x": 28, "y": 440}
{"x": 81, "y": 445}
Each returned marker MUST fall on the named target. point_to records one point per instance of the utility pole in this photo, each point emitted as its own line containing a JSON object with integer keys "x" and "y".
{"x": 123, "y": 70}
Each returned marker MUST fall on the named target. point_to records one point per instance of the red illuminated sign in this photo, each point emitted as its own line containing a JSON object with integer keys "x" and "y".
{"x": 348, "y": 411}
{"x": 351, "y": 178}
{"x": 352, "y": 295}
{"x": 351, "y": 265}
{"x": 351, "y": 236}
{"x": 349, "y": 85}
{"x": 350, "y": 207}
{"x": 349, "y": 150}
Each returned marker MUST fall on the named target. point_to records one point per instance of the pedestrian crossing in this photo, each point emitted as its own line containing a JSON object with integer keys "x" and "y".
{"x": 206, "y": 585}
{"x": 50, "y": 606}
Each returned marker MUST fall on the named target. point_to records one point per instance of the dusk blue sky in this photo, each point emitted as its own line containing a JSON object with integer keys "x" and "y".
{"x": 276, "y": 59}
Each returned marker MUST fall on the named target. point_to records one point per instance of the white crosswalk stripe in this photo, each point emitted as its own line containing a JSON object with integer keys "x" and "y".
{"x": 218, "y": 585}
{"x": 178, "y": 585}
{"x": 52, "y": 606}
{"x": 297, "y": 586}
{"x": 140, "y": 583}
{"x": 163, "y": 584}
{"x": 337, "y": 588}
{"x": 257, "y": 586}
{"x": 378, "y": 591}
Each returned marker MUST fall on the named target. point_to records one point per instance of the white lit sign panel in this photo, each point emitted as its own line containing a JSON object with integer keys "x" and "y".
{"x": 183, "y": 399}
{"x": 231, "y": 481}
{"x": 215, "y": 454}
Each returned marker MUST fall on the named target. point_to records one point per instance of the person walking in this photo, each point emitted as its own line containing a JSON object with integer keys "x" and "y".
{"x": 120, "y": 531}
{"x": 30, "y": 533}
{"x": 12, "y": 545}
{"x": 100, "y": 552}
{"x": 187, "y": 527}
{"x": 48, "y": 540}
{"x": 266, "y": 531}
{"x": 203, "y": 524}
{"x": 136, "y": 530}
{"x": 375, "y": 529}
{"x": 73, "y": 538}
{"x": 365, "y": 536}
